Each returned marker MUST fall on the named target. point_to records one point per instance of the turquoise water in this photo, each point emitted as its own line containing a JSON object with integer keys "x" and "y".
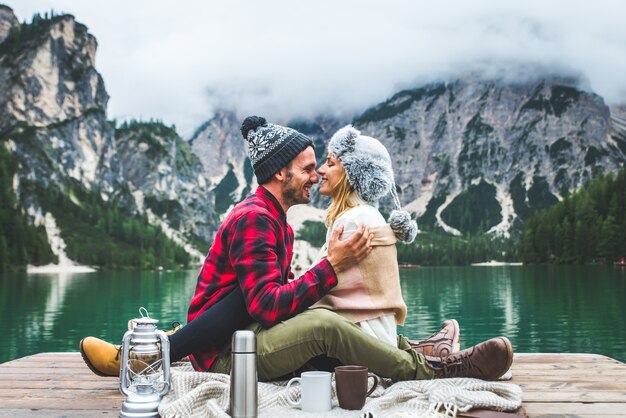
{"x": 547, "y": 309}
{"x": 540, "y": 309}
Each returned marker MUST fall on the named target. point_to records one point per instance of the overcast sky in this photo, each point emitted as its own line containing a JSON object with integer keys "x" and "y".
{"x": 176, "y": 61}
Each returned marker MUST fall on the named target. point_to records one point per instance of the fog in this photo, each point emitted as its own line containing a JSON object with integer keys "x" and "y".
{"x": 286, "y": 59}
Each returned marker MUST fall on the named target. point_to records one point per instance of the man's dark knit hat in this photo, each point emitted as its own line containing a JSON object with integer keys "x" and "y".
{"x": 271, "y": 147}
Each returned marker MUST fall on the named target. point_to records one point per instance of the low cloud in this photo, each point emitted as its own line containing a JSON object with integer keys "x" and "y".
{"x": 289, "y": 59}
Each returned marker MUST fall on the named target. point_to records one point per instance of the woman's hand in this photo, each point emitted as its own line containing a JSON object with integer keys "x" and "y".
{"x": 343, "y": 254}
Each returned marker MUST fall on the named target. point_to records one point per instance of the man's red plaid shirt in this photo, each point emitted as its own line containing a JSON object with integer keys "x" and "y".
{"x": 253, "y": 249}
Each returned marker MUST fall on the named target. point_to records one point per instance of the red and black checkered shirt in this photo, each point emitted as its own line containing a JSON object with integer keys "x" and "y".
{"x": 253, "y": 249}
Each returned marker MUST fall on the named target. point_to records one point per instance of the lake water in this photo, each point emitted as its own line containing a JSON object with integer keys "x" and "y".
{"x": 540, "y": 308}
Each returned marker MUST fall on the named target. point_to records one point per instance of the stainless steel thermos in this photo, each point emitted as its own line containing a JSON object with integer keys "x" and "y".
{"x": 243, "y": 375}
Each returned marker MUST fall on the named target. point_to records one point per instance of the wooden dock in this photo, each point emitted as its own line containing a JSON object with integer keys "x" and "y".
{"x": 60, "y": 385}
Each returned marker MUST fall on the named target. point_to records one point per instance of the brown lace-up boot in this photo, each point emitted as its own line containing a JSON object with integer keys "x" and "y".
{"x": 488, "y": 361}
{"x": 442, "y": 343}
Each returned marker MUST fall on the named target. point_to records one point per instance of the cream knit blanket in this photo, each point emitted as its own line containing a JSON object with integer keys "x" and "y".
{"x": 196, "y": 394}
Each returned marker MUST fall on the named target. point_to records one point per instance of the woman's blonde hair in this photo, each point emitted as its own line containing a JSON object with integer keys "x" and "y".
{"x": 344, "y": 197}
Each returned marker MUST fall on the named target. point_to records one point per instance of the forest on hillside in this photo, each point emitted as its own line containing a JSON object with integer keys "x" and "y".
{"x": 97, "y": 233}
{"x": 588, "y": 226}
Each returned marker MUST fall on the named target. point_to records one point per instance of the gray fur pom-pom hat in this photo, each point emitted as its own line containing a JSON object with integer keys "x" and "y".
{"x": 368, "y": 167}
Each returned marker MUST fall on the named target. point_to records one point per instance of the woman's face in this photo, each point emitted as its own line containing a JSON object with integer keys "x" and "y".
{"x": 331, "y": 173}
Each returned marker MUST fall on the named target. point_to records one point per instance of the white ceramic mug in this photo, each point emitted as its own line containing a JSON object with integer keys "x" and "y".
{"x": 316, "y": 391}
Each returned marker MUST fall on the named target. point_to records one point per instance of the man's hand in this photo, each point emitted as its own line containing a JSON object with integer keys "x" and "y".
{"x": 347, "y": 253}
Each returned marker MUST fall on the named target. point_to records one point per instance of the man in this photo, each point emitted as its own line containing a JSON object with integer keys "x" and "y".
{"x": 246, "y": 281}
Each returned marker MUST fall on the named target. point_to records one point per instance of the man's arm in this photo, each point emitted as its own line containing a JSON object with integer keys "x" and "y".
{"x": 343, "y": 254}
{"x": 270, "y": 299}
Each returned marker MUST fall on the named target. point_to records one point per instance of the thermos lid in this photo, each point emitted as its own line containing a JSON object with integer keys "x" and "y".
{"x": 244, "y": 342}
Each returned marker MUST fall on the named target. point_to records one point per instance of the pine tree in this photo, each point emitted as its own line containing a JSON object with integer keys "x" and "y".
{"x": 568, "y": 242}
{"x": 4, "y": 254}
{"x": 608, "y": 245}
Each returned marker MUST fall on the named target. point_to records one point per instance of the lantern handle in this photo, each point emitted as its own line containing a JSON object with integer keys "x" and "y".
{"x": 141, "y": 312}
{"x": 165, "y": 356}
{"x": 124, "y": 383}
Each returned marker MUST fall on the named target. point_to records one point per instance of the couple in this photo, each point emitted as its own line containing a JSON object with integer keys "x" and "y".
{"x": 346, "y": 307}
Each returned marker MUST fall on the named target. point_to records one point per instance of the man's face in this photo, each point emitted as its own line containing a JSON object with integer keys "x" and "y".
{"x": 299, "y": 179}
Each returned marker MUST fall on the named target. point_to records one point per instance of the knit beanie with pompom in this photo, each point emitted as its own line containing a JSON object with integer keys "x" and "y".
{"x": 271, "y": 147}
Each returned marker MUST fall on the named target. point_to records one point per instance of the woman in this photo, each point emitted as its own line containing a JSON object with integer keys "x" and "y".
{"x": 356, "y": 175}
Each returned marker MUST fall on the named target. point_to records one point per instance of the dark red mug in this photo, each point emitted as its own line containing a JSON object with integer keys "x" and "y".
{"x": 351, "y": 383}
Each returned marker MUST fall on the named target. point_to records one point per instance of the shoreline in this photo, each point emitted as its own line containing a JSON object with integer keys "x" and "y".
{"x": 59, "y": 268}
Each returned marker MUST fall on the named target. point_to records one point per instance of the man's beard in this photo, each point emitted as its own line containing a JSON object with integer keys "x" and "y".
{"x": 293, "y": 195}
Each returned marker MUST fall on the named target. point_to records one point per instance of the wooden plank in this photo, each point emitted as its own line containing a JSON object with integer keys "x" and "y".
{"x": 50, "y": 355}
{"x": 49, "y": 413}
{"x": 568, "y": 366}
{"x": 576, "y": 385}
{"x": 550, "y": 378}
{"x": 44, "y": 364}
{"x": 574, "y": 366}
{"x": 61, "y": 384}
{"x": 42, "y": 375}
{"x": 575, "y": 409}
{"x": 46, "y": 357}
{"x": 567, "y": 372}
{"x": 558, "y": 357}
{"x": 59, "y": 393}
{"x": 83, "y": 404}
{"x": 50, "y": 370}
{"x": 578, "y": 396}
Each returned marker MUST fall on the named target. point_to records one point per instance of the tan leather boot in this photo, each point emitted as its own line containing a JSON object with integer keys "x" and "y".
{"x": 488, "y": 361}
{"x": 175, "y": 327}
{"x": 442, "y": 343}
{"x": 102, "y": 358}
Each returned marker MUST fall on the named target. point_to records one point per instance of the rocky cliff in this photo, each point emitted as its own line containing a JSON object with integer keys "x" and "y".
{"x": 495, "y": 149}
{"x": 53, "y": 121}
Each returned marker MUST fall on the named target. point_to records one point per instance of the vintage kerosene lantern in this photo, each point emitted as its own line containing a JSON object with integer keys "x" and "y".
{"x": 144, "y": 367}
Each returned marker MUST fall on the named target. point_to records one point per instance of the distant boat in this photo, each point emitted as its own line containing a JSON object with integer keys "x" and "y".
{"x": 620, "y": 263}
{"x": 409, "y": 266}
{"x": 496, "y": 263}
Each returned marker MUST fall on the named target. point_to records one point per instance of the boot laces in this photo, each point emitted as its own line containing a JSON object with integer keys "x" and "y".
{"x": 428, "y": 341}
{"x": 457, "y": 365}
{"x": 431, "y": 336}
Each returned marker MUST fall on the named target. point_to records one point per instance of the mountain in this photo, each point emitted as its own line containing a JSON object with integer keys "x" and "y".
{"x": 54, "y": 127}
{"x": 480, "y": 156}
{"x": 472, "y": 156}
